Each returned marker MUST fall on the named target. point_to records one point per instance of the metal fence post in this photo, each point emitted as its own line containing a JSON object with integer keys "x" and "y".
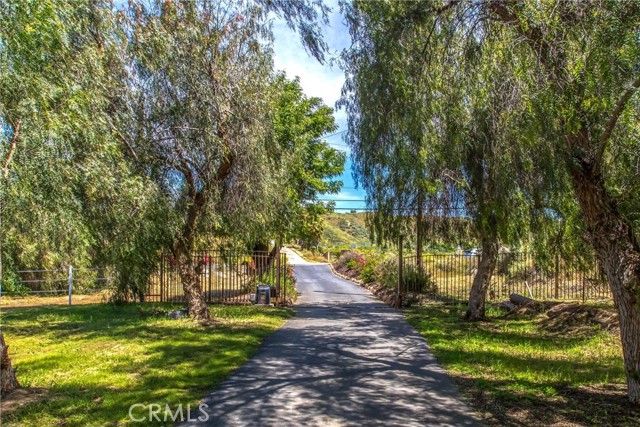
{"x": 286, "y": 279}
{"x": 278, "y": 267}
{"x": 70, "y": 281}
{"x": 557, "y": 278}
{"x": 400, "y": 267}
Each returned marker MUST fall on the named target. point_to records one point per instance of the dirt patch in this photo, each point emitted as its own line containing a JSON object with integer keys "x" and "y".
{"x": 577, "y": 319}
{"x": 34, "y": 301}
{"x": 22, "y": 397}
{"x": 529, "y": 310}
{"x": 602, "y": 405}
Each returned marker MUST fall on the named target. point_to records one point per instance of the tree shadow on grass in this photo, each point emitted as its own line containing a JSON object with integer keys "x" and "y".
{"x": 515, "y": 374}
{"x": 98, "y": 361}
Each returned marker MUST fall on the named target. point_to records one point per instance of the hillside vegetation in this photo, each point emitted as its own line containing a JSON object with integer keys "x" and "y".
{"x": 344, "y": 229}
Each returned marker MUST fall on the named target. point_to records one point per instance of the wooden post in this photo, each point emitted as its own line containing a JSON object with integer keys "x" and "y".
{"x": 400, "y": 268}
{"x": 70, "y": 282}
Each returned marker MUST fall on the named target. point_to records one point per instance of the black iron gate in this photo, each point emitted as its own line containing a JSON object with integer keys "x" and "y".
{"x": 225, "y": 277}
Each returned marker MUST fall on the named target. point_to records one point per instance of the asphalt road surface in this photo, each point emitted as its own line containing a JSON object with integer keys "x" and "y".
{"x": 345, "y": 359}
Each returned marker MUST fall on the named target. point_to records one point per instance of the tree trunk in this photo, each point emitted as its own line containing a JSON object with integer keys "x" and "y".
{"x": 617, "y": 250}
{"x": 196, "y": 302}
{"x": 263, "y": 259}
{"x": 482, "y": 279}
{"x": 8, "y": 380}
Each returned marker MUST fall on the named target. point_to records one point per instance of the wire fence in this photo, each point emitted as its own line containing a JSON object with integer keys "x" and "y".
{"x": 520, "y": 273}
{"x": 67, "y": 281}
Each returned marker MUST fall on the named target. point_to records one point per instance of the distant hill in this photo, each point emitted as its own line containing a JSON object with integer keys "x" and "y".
{"x": 345, "y": 229}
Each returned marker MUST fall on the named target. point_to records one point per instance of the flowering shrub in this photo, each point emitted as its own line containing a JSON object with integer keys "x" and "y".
{"x": 291, "y": 274}
{"x": 368, "y": 273}
{"x": 352, "y": 261}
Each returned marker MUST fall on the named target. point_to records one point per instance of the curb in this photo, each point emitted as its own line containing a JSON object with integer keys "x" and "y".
{"x": 374, "y": 290}
{"x": 342, "y": 276}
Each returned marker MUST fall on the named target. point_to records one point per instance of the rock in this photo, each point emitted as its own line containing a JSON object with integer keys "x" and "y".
{"x": 179, "y": 314}
{"x": 507, "y": 305}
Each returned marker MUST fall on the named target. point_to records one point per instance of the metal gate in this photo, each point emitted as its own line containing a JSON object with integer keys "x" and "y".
{"x": 225, "y": 277}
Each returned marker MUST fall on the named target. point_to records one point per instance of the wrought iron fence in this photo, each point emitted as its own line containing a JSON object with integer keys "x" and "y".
{"x": 224, "y": 277}
{"x": 452, "y": 275}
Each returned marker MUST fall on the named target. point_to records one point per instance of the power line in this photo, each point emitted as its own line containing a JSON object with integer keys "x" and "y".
{"x": 342, "y": 200}
{"x": 334, "y": 134}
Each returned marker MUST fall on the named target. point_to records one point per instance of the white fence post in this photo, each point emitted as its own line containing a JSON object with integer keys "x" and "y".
{"x": 70, "y": 280}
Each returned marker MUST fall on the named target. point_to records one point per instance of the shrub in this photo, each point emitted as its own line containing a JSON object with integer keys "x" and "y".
{"x": 352, "y": 261}
{"x": 368, "y": 273}
{"x": 417, "y": 279}
{"x": 414, "y": 279}
{"x": 386, "y": 273}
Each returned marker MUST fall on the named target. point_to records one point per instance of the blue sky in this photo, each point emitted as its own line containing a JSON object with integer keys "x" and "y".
{"x": 323, "y": 81}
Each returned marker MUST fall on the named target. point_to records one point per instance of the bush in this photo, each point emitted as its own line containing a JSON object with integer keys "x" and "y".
{"x": 368, "y": 273}
{"x": 386, "y": 273}
{"x": 414, "y": 279}
{"x": 352, "y": 261}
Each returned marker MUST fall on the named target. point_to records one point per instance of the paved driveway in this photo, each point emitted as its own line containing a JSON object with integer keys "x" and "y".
{"x": 345, "y": 360}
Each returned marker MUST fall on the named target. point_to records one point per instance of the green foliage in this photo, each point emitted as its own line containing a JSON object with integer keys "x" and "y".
{"x": 414, "y": 278}
{"x": 128, "y": 129}
{"x": 386, "y": 273}
{"x": 352, "y": 261}
{"x": 417, "y": 279}
{"x": 368, "y": 273}
{"x": 310, "y": 164}
{"x": 69, "y": 195}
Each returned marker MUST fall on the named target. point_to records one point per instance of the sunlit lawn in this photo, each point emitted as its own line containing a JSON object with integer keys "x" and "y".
{"x": 95, "y": 361}
{"x": 516, "y": 373}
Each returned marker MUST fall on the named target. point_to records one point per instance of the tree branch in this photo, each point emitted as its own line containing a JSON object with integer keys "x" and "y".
{"x": 12, "y": 149}
{"x": 613, "y": 120}
{"x": 124, "y": 140}
{"x": 532, "y": 34}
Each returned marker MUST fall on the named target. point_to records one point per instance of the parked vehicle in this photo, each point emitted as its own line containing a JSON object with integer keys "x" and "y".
{"x": 472, "y": 252}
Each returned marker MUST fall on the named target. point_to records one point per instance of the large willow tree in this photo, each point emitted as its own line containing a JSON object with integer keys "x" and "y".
{"x": 205, "y": 122}
{"x": 579, "y": 64}
{"x": 392, "y": 120}
{"x": 429, "y": 134}
{"x": 588, "y": 54}
{"x": 126, "y": 129}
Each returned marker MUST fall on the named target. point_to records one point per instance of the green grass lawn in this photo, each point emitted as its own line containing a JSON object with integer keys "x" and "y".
{"x": 90, "y": 363}
{"x": 516, "y": 373}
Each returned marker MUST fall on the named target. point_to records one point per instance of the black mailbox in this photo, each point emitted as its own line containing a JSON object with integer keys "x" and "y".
{"x": 263, "y": 294}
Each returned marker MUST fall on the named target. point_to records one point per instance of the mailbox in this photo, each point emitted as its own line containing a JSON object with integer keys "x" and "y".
{"x": 263, "y": 295}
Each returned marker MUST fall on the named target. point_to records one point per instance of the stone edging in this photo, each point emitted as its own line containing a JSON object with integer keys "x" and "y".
{"x": 342, "y": 276}
{"x": 386, "y": 297}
